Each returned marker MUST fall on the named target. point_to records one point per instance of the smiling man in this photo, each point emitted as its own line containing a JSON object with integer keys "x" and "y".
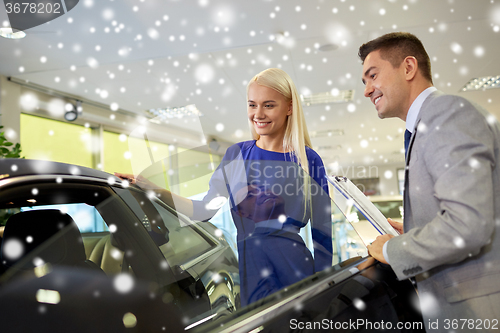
{"x": 451, "y": 241}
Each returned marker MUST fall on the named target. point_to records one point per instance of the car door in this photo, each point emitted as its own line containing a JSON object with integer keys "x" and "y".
{"x": 204, "y": 265}
{"x": 48, "y": 283}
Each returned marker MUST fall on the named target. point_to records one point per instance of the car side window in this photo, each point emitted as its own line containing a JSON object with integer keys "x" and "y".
{"x": 177, "y": 238}
{"x": 86, "y": 217}
{"x": 185, "y": 241}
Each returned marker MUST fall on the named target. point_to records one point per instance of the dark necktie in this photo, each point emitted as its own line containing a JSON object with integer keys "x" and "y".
{"x": 407, "y": 140}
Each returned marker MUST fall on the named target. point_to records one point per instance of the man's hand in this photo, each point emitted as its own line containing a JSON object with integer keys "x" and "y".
{"x": 375, "y": 249}
{"x": 398, "y": 226}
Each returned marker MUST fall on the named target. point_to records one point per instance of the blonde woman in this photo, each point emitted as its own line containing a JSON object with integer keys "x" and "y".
{"x": 289, "y": 134}
{"x": 281, "y": 181}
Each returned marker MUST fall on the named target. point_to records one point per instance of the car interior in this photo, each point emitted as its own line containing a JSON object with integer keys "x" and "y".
{"x": 54, "y": 235}
{"x": 43, "y": 226}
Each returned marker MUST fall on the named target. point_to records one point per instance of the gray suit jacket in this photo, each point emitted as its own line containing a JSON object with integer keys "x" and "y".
{"x": 451, "y": 242}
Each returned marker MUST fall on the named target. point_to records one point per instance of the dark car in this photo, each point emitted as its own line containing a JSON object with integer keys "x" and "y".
{"x": 84, "y": 251}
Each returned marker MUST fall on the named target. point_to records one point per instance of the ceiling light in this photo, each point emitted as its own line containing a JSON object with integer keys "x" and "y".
{"x": 330, "y": 132}
{"x": 343, "y": 96}
{"x": 71, "y": 115}
{"x": 335, "y": 147}
{"x": 72, "y": 111}
{"x": 284, "y": 39}
{"x": 163, "y": 114}
{"x": 482, "y": 83}
{"x": 328, "y": 47}
{"x": 214, "y": 145}
{"x": 8, "y": 33}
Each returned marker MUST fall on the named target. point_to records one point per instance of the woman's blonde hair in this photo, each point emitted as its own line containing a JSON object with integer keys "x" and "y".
{"x": 296, "y": 135}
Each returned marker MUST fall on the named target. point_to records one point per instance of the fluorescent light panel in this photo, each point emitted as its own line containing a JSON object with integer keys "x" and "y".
{"x": 162, "y": 114}
{"x": 330, "y": 132}
{"x": 482, "y": 83}
{"x": 343, "y": 96}
{"x": 10, "y": 34}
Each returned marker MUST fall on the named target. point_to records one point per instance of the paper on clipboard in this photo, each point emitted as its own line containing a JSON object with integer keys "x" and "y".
{"x": 363, "y": 204}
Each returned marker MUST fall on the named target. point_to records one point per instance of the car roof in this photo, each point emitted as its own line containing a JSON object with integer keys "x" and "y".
{"x": 17, "y": 167}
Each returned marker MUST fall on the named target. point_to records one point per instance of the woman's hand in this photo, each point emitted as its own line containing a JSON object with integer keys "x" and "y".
{"x": 140, "y": 181}
{"x": 181, "y": 204}
{"x": 125, "y": 176}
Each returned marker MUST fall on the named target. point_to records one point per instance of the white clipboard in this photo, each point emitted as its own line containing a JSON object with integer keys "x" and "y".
{"x": 363, "y": 204}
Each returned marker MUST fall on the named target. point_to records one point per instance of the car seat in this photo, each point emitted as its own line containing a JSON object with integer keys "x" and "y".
{"x": 34, "y": 237}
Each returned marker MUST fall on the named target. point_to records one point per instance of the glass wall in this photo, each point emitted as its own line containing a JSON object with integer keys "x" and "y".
{"x": 195, "y": 169}
{"x": 130, "y": 155}
{"x": 185, "y": 171}
{"x": 49, "y": 140}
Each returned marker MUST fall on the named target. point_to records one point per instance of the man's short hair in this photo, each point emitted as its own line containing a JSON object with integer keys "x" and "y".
{"x": 395, "y": 47}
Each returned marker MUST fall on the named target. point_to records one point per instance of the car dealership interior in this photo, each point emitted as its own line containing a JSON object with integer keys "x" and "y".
{"x": 159, "y": 89}
{"x": 84, "y": 87}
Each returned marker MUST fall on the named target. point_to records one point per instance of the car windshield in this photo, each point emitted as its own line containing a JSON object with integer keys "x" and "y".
{"x": 256, "y": 245}
{"x": 390, "y": 207}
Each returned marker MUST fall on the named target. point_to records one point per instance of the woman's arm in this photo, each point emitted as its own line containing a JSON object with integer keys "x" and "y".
{"x": 181, "y": 204}
{"x": 198, "y": 210}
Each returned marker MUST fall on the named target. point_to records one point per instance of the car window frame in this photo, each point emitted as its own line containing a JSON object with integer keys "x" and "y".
{"x": 215, "y": 244}
{"x": 149, "y": 269}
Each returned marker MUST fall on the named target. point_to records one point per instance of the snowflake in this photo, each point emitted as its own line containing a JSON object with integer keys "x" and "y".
{"x": 123, "y": 283}
{"x": 359, "y": 304}
{"x": 422, "y": 127}
{"x": 108, "y": 14}
{"x": 429, "y": 304}
{"x": 264, "y": 273}
{"x": 13, "y": 249}
{"x": 474, "y": 163}
{"x": 116, "y": 254}
{"x": 216, "y": 277}
{"x": 479, "y": 51}
{"x": 204, "y": 73}
{"x": 456, "y": 48}
{"x": 459, "y": 242}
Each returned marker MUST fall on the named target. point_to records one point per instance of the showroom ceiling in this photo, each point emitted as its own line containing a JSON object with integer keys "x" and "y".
{"x": 143, "y": 54}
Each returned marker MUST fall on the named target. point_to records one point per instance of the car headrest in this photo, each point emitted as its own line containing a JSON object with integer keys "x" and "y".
{"x": 53, "y": 237}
